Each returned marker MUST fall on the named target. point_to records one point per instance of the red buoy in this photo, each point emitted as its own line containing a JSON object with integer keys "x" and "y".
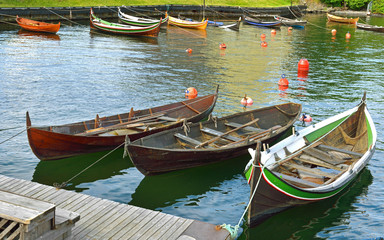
{"x": 333, "y": 32}
{"x": 262, "y": 36}
{"x": 246, "y": 101}
{"x": 303, "y": 65}
{"x": 222, "y": 46}
{"x": 190, "y": 93}
{"x": 189, "y": 50}
{"x": 348, "y": 35}
{"x": 290, "y": 29}
{"x": 273, "y": 31}
{"x": 283, "y": 81}
{"x": 305, "y": 118}
{"x": 264, "y": 44}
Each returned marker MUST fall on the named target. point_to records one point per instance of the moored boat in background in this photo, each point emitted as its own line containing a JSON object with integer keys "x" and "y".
{"x": 368, "y": 27}
{"x": 187, "y": 24}
{"x": 36, "y": 26}
{"x": 211, "y": 141}
{"x": 138, "y": 21}
{"x": 261, "y": 23}
{"x": 107, "y": 133}
{"x": 313, "y": 164}
{"x": 290, "y": 22}
{"x": 339, "y": 19}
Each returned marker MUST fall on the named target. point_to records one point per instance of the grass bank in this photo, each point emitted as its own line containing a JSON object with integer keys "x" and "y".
{"x": 87, "y": 3}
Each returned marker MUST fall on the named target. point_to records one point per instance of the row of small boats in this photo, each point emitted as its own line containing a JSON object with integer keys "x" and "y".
{"x": 300, "y": 167}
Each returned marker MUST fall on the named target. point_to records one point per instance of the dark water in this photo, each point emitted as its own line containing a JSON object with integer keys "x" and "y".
{"x": 77, "y": 74}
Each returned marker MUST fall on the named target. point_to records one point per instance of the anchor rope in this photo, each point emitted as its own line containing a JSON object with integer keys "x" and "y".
{"x": 13, "y": 136}
{"x": 64, "y": 184}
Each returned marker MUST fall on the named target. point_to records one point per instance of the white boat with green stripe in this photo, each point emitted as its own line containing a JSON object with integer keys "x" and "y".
{"x": 313, "y": 164}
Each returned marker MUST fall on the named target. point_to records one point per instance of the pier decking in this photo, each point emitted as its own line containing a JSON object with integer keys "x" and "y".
{"x": 105, "y": 219}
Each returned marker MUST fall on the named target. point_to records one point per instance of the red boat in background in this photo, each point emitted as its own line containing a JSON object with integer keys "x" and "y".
{"x": 36, "y": 26}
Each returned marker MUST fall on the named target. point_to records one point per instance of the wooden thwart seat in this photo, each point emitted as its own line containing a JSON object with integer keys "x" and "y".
{"x": 330, "y": 148}
{"x": 296, "y": 181}
{"x": 249, "y": 128}
{"x": 187, "y": 139}
{"x": 218, "y": 133}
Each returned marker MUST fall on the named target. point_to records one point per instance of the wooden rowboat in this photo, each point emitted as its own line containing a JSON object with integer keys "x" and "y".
{"x": 36, "y": 26}
{"x": 106, "y": 133}
{"x": 187, "y": 24}
{"x": 261, "y": 23}
{"x": 290, "y": 22}
{"x": 116, "y": 28}
{"x": 211, "y": 141}
{"x": 137, "y": 21}
{"x": 370, "y": 27}
{"x": 339, "y": 19}
{"x": 315, "y": 163}
{"x": 234, "y": 26}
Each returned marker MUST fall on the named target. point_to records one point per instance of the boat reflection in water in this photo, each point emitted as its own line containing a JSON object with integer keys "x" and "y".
{"x": 60, "y": 171}
{"x": 38, "y": 35}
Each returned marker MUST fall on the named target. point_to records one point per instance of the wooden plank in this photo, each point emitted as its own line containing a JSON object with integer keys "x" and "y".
{"x": 170, "y": 119}
{"x": 249, "y": 129}
{"x": 323, "y": 156}
{"x": 105, "y": 220}
{"x": 330, "y": 148}
{"x": 136, "y": 224}
{"x": 134, "y": 232}
{"x": 313, "y": 171}
{"x": 22, "y": 201}
{"x": 314, "y": 161}
{"x": 17, "y": 213}
{"x": 27, "y": 187}
{"x": 296, "y": 181}
{"x": 164, "y": 229}
{"x": 188, "y": 106}
{"x": 218, "y": 133}
{"x": 187, "y": 139}
{"x": 122, "y": 222}
{"x": 119, "y": 222}
{"x": 177, "y": 232}
{"x": 72, "y": 201}
{"x": 152, "y": 231}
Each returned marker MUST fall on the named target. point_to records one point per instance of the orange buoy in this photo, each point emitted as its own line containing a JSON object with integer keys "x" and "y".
{"x": 290, "y": 29}
{"x": 303, "y": 65}
{"x": 303, "y": 74}
{"x": 264, "y": 44}
{"x": 262, "y": 36}
{"x": 283, "y": 81}
{"x": 222, "y": 46}
{"x": 305, "y": 118}
{"x": 348, "y": 35}
{"x": 246, "y": 101}
{"x": 333, "y": 32}
{"x": 188, "y": 50}
{"x": 273, "y": 31}
{"x": 190, "y": 93}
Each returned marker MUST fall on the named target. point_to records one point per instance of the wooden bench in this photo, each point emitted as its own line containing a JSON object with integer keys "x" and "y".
{"x": 187, "y": 139}
{"x": 296, "y": 181}
{"x": 249, "y": 129}
{"x": 218, "y": 133}
{"x": 330, "y": 148}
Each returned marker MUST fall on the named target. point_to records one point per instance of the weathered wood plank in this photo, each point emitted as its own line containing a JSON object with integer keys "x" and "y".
{"x": 187, "y": 139}
{"x": 249, "y": 128}
{"x": 315, "y": 161}
{"x": 177, "y": 232}
{"x": 313, "y": 171}
{"x": 218, "y": 133}
{"x": 323, "y": 156}
{"x": 296, "y": 181}
{"x": 330, "y": 148}
{"x": 135, "y": 225}
{"x": 164, "y": 228}
{"x": 151, "y": 230}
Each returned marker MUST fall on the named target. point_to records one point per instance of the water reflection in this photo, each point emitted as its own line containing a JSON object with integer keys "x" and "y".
{"x": 38, "y": 35}
{"x": 59, "y": 171}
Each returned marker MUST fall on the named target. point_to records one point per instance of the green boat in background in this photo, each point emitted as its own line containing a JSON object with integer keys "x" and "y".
{"x": 313, "y": 164}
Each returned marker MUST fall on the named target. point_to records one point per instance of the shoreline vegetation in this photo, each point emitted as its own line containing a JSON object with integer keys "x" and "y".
{"x": 94, "y": 3}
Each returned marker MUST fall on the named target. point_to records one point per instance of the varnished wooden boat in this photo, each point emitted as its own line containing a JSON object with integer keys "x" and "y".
{"x": 315, "y": 163}
{"x": 370, "y": 27}
{"x": 261, "y": 23}
{"x": 290, "y": 22}
{"x": 187, "y": 24}
{"x": 339, "y": 19}
{"x": 106, "y": 133}
{"x": 211, "y": 141}
{"x": 138, "y": 21}
{"x": 234, "y": 26}
{"x": 36, "y": 26}
{"x": 116, "y": 28}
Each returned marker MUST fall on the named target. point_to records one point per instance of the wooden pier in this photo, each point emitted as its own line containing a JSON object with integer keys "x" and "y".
{"x": 96, "y": 218}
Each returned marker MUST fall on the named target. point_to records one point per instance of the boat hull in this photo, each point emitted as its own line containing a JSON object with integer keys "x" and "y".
{"x": 36, "y": 26}
{"x": 334, "y": 18}
{"x": 260, "y": 23}
{"x": 50, "y": 144}
{"x": 187, "y": 24}
{"x": 161, "y": 153}
{"x": 370, "y": 27}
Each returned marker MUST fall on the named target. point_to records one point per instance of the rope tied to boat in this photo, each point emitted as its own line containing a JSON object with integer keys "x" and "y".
{"x": 186, "y": 127}
{"x": 233, "y": 230}
{"x": 213, "y": 118}
{"x": 126, "y": 143}
{"x": 13, "y": 135}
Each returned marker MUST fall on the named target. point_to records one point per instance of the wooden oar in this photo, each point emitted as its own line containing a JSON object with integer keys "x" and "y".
{"x": 120, "y": 125}
{"x": 226, "y": 133}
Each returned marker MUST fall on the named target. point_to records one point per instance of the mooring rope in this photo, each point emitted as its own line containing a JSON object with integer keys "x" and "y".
{"x": 64, "y": 184}
{"x": 13, "y": 136}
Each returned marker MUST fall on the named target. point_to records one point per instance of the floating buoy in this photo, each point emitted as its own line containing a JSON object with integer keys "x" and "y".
{"x": 188, "y": 50}
{"x": 262, "y": 36}
{"x": 190, "y": 93}
{"x": 264, "y": 44}
{"x": 303, "y": 65}
{"x": 305, "y": 118}
{"x": 246, "y": 101}
{"x": 283, "y": 81}
{"x": 290, "y": 29}
{"x": 273, "y": 31}
{"x": 333, "y": 32}
{"x": 348, "y": 35}
{"x": 303, "y": 74}
{"x": 222, "y": 46}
